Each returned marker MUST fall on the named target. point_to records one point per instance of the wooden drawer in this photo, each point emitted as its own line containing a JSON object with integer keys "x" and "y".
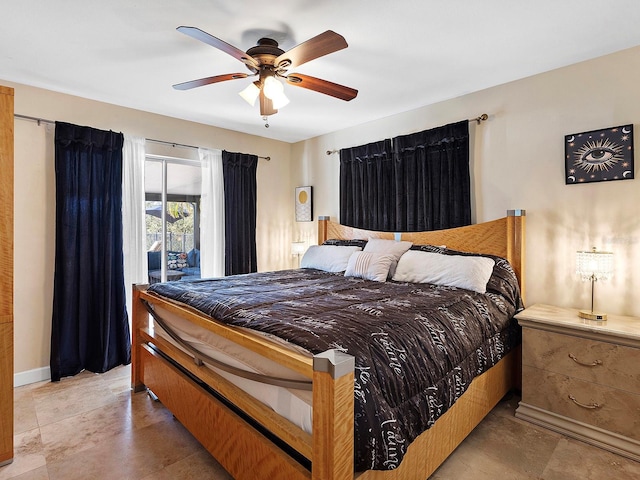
{"x": 618, "y": 411}
{"x": 597, "y": 362}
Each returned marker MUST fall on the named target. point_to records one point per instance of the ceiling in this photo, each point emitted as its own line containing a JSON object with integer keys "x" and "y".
{"x": 402, "y": 54}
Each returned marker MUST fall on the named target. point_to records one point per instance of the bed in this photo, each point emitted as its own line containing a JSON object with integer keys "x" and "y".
{"x": 252, "y": 439}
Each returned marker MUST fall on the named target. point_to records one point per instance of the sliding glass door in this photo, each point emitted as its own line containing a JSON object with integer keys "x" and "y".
{"x": 172, "y": 194}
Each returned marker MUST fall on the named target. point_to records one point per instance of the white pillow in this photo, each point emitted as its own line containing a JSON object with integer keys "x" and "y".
{"x": 469, "y": 272}
{"x": 370, "y": 266}
{"x": 330, "y": 258}
{"x": 391, "y": 247}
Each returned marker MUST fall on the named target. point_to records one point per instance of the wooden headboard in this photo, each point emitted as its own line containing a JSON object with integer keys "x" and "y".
{"x": 504, "y": 237}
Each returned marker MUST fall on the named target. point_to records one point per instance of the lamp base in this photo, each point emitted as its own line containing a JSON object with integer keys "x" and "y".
{"x": 599, "y": 316}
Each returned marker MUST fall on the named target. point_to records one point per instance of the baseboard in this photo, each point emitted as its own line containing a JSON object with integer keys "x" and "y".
{"x": 618, "y": 444}
{"x": 31, "y": 376}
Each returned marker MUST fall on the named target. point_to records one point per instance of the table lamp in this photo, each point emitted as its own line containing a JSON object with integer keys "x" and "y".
{"x": 594, "y": 265}
{"x": 298, "y": 248}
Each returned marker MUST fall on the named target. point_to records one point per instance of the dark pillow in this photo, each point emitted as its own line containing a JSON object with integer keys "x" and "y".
{"x": 428, "y": 248}
{"x": 346, "y": 243}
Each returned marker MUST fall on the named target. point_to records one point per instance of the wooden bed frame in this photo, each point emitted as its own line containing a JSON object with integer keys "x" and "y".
{"x": 249, "y": 451}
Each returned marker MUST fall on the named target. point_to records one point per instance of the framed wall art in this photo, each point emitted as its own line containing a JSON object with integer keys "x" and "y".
{"x": 304, "y": 204}
{"x": 599, "y": 155}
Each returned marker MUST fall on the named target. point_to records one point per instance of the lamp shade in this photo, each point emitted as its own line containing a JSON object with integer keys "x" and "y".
{"x": 298, "y": 248}
{"x": 250, "y": 94}
{"x": 594, "y": 265}
{"x": 274, "y": 90}
{"x": 279, "y": 100}
{"x": 272, "y": 87}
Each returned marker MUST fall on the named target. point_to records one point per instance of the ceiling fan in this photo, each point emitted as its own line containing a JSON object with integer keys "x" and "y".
{"x": 268, "y": 62}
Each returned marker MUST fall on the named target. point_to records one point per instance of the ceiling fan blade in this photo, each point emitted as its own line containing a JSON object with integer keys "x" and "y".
{"x": 322, "y": 86}
{"x": 209, "y": 80}
{"x": 318, "y": 46}
{"x": 266, "y": 105}
{"x": 203, "y": 36}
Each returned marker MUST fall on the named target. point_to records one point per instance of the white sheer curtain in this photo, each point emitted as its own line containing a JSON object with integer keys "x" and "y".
{"x": 211, "y": 214}
{"x": 133, "y": 214}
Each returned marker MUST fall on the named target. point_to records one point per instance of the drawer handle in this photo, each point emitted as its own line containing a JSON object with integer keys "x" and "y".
{"x": 592, "y": 406}
{"x": 592, "y": 364}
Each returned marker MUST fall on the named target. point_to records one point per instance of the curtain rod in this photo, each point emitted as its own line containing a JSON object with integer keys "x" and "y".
{"x": 34, "y": 119}
{"x": 173, "y": 144}
{"x": 479, "y": 119}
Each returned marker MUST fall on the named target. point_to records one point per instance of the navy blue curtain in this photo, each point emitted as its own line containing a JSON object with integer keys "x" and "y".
{"x": 367, "y": 188}
{"x": 240, "y": 191}
{"x": 432, "y": 178}
{"x": 90, "y": 327}
{"x": 413, "y": 182}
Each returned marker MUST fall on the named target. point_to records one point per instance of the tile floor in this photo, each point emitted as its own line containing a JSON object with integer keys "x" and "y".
{"x": 92, "y": 427}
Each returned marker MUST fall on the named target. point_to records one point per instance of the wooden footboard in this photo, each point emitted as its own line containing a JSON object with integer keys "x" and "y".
{"x": 252, "y": 442}
{"x": 243, "y": 442}
{"x": 239, "y": 447}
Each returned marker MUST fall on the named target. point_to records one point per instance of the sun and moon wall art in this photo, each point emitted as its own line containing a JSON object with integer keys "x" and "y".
{"x": 304, "y": 205}
{"x": 599, "y": 155}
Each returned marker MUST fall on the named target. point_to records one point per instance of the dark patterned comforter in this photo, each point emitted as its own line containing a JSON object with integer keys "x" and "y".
{"x": 417, "y": 347}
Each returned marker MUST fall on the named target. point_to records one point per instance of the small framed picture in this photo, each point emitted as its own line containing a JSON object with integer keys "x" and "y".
{"x": 599, "y": 155}
{"x": 304, "y": 204}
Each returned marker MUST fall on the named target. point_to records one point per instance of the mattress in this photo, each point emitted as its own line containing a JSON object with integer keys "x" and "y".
{"x": 293, "y": 404}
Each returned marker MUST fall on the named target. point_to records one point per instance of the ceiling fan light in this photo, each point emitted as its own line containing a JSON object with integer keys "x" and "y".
{"x": 272, "y": 87}
{"x": 280, "y": 100}
{"x": 250, "y": 94}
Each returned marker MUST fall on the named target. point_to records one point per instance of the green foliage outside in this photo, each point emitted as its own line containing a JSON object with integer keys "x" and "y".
{"x": 179, "y": 231}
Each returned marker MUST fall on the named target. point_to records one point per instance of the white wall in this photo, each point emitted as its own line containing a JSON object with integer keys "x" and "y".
{"x": 34, "y": 210}
{"x": 518, "y": 162}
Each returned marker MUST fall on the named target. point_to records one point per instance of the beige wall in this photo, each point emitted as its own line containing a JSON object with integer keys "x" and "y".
{"x": 517, "y": 162}
{"x": 35, "y": 198}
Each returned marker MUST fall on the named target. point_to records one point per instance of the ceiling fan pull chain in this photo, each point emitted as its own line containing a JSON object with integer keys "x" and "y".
{"x": 266, "y": 121}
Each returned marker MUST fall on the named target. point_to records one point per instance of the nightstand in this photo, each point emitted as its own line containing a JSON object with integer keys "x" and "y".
{"x": 581, "y": 377}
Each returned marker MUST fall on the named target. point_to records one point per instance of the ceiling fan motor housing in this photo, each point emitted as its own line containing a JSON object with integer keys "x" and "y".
{"x": 266, "y": 51}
